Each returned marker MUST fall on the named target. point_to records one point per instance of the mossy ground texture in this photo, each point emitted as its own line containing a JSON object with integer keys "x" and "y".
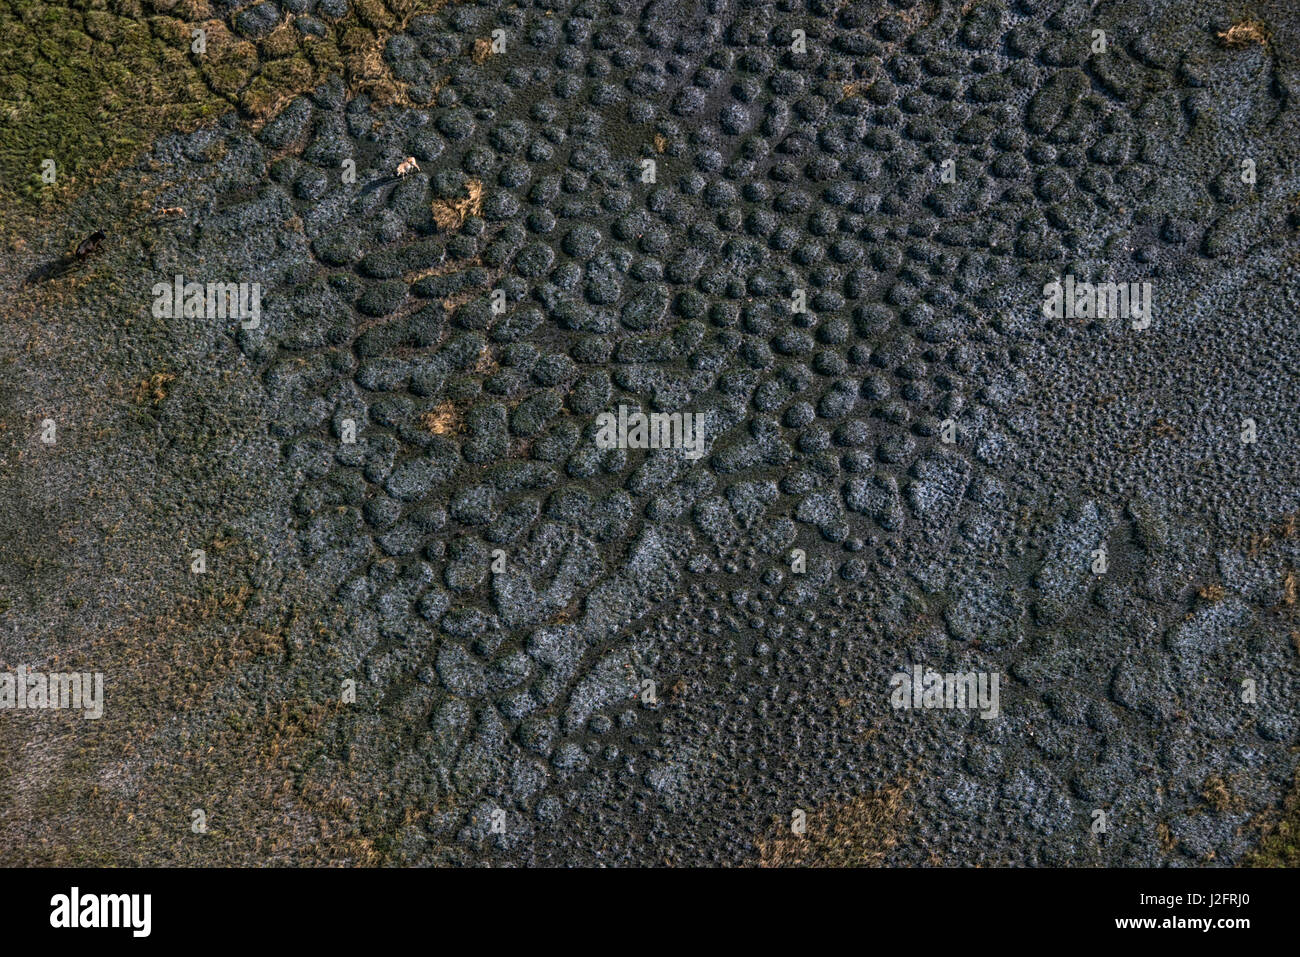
{"x": 352, "y": 465}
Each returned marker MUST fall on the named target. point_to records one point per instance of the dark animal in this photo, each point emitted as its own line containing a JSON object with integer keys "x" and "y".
{"x": 65, "y": 264}
{"x": 90, "y": 244}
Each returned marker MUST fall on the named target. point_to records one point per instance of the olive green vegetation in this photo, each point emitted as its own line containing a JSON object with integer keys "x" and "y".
{"x": 1280, "y": 844}
{"x": 89, "y": 83}
{"x": 87, "y": 88}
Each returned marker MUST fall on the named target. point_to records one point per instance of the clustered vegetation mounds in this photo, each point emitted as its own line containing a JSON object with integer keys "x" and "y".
{"x": 470, "y": 424}
{"x": 778, "y": 171}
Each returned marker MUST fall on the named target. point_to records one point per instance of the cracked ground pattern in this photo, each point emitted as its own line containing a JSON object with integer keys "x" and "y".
{"x": 649, "y": 189}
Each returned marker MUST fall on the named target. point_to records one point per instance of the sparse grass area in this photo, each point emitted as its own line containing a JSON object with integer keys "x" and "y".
{"x": 485, "y": 365}
{"x": 1277, "y": 531}
{"x": 1279, "y": 845}
{"x": 153, "y": 390}
{"x": 858, "y": 834}
{"x": 1212, "y": 594}
{"x": 1217, "y": 794}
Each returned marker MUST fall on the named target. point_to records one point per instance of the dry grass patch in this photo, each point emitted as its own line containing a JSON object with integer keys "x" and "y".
{"x": 1287, "y": 528}
{"x": 1211, "y": 593}
{"x": 860, "y": 833}
{"x": 442, "y": 420}
{"x": 1243, "y": 34}
{"x": 451, "y": 213}
{"x": 154, "y": 389}
{"x": 1218, "y": 796}
{"x": 485, "y": 364}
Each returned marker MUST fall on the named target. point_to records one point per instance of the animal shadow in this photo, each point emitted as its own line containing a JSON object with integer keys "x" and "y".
{"x": 65, "y": 264}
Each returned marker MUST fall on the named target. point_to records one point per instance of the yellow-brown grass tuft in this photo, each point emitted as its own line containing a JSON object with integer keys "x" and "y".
{"x": 442, "y": 420}
{"x": 452, "y": 213}
{"x": 154, "y": 389}
{"x": 1243, "y": 34}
